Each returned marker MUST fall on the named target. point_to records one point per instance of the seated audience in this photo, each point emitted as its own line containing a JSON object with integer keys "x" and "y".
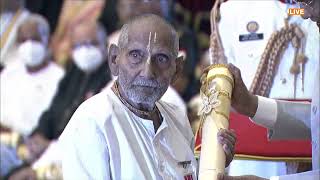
{"x": 86, "y": 74}
{"x": 29, "y": 84}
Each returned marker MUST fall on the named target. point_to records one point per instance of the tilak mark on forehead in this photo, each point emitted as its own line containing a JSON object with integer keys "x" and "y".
{"x": 149, "y": 45}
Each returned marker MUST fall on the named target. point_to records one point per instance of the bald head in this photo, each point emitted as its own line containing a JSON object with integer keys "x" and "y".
{"x": 143, "y": 25}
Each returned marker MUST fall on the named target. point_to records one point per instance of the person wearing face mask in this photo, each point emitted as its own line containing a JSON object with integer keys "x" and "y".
{"x": 29, "y": 84}
{"x": 86, "y": 74}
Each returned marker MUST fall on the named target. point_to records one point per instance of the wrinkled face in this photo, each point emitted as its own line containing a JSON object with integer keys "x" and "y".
{"x": 147, "y": 65}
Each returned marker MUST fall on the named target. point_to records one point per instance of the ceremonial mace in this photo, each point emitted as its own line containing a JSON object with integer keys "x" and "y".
{"x": 216, "y": 90}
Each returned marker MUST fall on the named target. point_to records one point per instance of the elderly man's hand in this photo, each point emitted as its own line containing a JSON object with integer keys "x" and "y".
{"x": 227, "y": 138}
{"x": 246, "y": 177}
{"x": 242, "y": 100}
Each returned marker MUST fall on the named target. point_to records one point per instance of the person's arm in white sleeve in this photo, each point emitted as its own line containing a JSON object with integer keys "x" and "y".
{"x": 85, "y": 152}
{"x": 284, "y": 119}
{"x": 266, "y": 114}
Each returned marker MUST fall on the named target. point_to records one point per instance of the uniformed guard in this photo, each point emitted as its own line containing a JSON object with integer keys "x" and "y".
{"x": 276, "y": 54}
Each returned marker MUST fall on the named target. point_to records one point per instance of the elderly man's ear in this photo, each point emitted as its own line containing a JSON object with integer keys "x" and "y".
{"x": 179, "y": 68}
{"x": 112, "y": 59}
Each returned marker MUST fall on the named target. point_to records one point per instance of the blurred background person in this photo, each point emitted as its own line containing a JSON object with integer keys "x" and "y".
{"x": 86, "y": 74}
{"x": 12, "y": 14}
{"x": 72, "y": 14}
{"x": 49, "y": 9}
{"x": 29, "y": 84}
{"x": 27, "y": 87}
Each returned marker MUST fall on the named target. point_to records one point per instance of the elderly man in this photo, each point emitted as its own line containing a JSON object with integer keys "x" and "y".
{"x": 126, "y": 132}
{"x": 87, "y": 73}
{"x": 127, "y": 9}
{"x": 28, "y": 85}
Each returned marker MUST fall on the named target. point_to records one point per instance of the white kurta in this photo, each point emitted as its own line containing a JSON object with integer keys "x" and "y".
{"x": 235, "y": 15}
{"x": 53, "y": 154}
{"x": 105, "y": 140}
{"x": 24, "y": 96}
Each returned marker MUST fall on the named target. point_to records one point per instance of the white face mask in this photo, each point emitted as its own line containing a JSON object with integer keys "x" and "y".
{"x": 87, "y": 58}
{"x": 32, "y": 53}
